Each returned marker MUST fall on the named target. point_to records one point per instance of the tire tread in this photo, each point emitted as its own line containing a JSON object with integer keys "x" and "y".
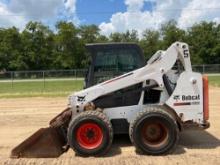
{"x": 89, "y": 114}
{"x": 148, "y": 110}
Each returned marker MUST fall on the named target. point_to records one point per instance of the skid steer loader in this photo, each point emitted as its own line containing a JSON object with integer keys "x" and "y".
{"x": 152, "y": 104}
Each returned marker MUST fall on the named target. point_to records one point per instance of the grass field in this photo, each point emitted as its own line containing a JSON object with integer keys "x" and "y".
{"x": 214, "y": 80}
{"x": 53, "y": 88}
{"x": 39, "y": 88}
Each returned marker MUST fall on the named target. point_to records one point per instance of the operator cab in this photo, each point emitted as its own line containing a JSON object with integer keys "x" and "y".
{"x": 109, "y": 60}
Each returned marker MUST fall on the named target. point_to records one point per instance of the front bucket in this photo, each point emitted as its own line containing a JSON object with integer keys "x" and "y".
{"x": 45, "y": 143}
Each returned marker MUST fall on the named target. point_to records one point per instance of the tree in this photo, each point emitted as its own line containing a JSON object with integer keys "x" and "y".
{"x": 150, "y": 42}
{"x": 171, "y": 33}
{"x": 204, "y": 41}
{"x": 66, "y": 42}
{"x": 89, "y": 33}
{"x": 10, "y": 48}
{"x": 37, "y": 41}
{"x": 38, "y": 47}
{"x": 102, "y": 39}
{"x": 128, "y": 36}
{"x": 116, "y": 37}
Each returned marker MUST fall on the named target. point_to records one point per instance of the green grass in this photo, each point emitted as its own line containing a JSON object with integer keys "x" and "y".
{"x": 39, "y": 88}
{"x": 214, "y": 80}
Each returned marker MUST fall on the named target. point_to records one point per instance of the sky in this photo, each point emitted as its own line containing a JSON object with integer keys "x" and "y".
{"x": 110, "y": 15}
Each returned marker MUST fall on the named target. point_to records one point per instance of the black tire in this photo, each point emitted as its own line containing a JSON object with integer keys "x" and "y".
{"x": 154, "y": 132}
{"x": 90, "y": 134}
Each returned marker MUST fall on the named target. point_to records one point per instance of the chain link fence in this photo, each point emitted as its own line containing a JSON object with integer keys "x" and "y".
{"x": 78, "y": 73}
{"x": 13, "y": 78}
{"x": 31, "y": 83}
{"x": 207, "y": 69}
{"x": 42, "y": 75}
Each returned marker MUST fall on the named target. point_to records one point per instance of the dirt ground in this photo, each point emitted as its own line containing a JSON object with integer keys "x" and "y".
{"x": 19, "y": 118}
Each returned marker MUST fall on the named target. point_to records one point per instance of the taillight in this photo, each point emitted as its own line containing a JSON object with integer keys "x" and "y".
{"x": 205, "y": 97}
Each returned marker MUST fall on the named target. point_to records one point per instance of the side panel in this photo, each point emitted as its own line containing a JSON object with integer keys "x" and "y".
{"x": 187, "y": 98}
{"x": 128, "y": 112}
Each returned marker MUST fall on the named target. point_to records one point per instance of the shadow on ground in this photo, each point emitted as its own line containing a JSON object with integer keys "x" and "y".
{"x": 193, "y": 139}
{"x": 119, "y": 141}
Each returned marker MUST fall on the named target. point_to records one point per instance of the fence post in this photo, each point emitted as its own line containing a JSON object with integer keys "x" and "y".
{"x": 12, "y": 79}
{"x": 75, "y": 74}
{"x": 203, "y": 68}
{"x": 44, "y": 79}
{"x": 218, "y": 68}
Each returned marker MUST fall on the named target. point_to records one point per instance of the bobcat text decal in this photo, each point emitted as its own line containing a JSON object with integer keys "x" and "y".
{"x": 186, "y": 100}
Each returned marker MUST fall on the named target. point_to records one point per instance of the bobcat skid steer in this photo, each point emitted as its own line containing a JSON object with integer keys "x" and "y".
{"x": 152, "y": 104}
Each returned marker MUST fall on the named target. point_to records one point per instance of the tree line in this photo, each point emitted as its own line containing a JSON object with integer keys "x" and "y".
{"x": 38, "y": 47}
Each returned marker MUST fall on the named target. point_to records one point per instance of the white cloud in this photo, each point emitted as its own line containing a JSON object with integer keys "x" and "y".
{"x": 185, "y": 12}
{"x": 134, "y": 5}
{"x": 70, "y": 5}
{"x": 121, "y": 22}
{"x": 70, "y": 12}
{"x": 19, "y": 12}
{"x": 162, "y": 11}
{"x": 7, "y": 18}
{"x": 209, "y": 10}
{"x": 35, "y": 9}
{"x": 135, "y": 18}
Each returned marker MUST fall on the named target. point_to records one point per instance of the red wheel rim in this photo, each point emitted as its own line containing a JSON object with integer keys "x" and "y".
{"x": 89, "y": 135}
{"x": 154, "y": 134}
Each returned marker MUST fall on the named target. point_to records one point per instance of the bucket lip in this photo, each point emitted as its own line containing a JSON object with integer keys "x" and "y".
{"x": 45, "y": 139}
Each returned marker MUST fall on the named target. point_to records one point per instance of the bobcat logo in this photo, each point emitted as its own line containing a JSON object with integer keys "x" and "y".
{"x": 81, "y": 98}
{"x": 176, "y": 97}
